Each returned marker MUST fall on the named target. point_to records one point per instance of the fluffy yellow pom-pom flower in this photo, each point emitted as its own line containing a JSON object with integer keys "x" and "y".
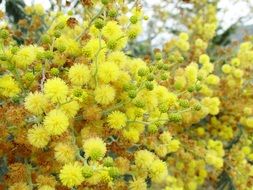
{"x": 94, "y": 148}
{"x": 143, "y": 159}
{"x": 138, "y": 184}
{"x": 108, "y": 72}
{"x": 112, "y": 30}
{"x": 104, "y": 94}
{"x": 8, "y": 86}
{"x": 71, "y": 175}
{"x": 117, "y": 120}
{"x": 79, "y": 74}
{"x": 203, "y": 59}
{"x": 36, "y": 103}
{"x": 158, "y": 171}
{"x": 38, "y": 137}
{"x": 46, "y": 187}
{"x": 56, "y": 122}
{"x": 25, "y": 56}
{"x": 19, "y": 186}
{"x": 212, "y": 104}
{"x": 56, "y": 90}
{"x": 249, "y": 122}
{"x": 64, "y": 153}
{"x": 70, "y": 108}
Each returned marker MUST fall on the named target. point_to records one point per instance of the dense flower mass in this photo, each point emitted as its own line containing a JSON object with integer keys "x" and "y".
{"x": 83, "y": 106}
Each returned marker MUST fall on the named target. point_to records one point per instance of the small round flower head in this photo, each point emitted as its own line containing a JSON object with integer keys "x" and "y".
{"x": 117, "y": 120}
{"x": 212, "y": 104}
{"x": 25, "y": 56}
{"x": 143, "y": 159}
{"x": 71, "y": 175}
{"x": 94, "y": 148}
{"x": 72, "y": 46}
{"x": 212, "y": 159}
{"x": 38, "y": 136}
{"x": 226, "y": 68}
{"x": 132, "y": 135}
{"x": 46, "y": 187}
{"x": 70, "y": 108}
{"x": 165, "y": 137}
{"x": 203, "y": 59}
{"x": 173, "y": 145}
{"x": 112, "y": 30}
{"x": 8, "y": 86}
{"x": 191, "y": 72}
{"x": 138, "y": 184}
{"x": 91, "y": 48}
{"x": 108, "y": 72}
{"x": 104, "y": 94}
{"x": 64, "y": 153}
{"x": 212, "y": 79}
{"x": 56, "y": 122}
{"x": 19, "y": 186}
{"x": 79, "y": 74}
{"x": 249, "y": 122}
{"x": 158, "y": 171}
{"x": 56, "y": 90}
{"x": 36, "y": 103}
{"x": 39, "y": 9}
{"x": 238, "y": 73}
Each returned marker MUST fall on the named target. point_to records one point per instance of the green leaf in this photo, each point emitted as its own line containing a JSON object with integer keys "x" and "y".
{"x": 225, "y": 182}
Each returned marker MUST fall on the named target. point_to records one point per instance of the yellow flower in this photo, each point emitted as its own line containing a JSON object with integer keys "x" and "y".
{"x": 108, "y": 72}
{"x": 173, "y": 145}
{"x": 212, "y": 104}
{"x": 138, "y": 184}
{"x": 19, "y": 186}
{"x": 39, "y": 9}
{"x": 38, "y": 136}
{"x": 226, "y": 68}
{"x": 203, "y": 59}
{"x": 118, "y": 58}
{"x": 117, "y": 120}
{"x": 70, "y": 108}
{"x": 104, "y": 94}
{"x": 46, "y": 187}
{"x": 72, "y": 46}
{"x": 158, "y": 171}
{"x": 91, "y": 49}
{"x": 165, "y": 137}
{"x": 112, "y": 30}
{"x": 212, "y": 79}
{"x": 94, "y": 148}
{"x": 79, "y": 74}
{"x": 249, "y": 122}
{"x": 64, "y": 153}
{"x": 212, "y": 159}
{"x": 114, "y": 35}
{"x": 71, "y": 175}
{"x": 8, "y": 86}
{"x": 56, "y": 122}
{"x": 56, "y": 90}
{"x": 191, "y": 73}
{"x": 238, "y": 73}
{"x": 36, "y": 103}
{"x": 26, "y": 56}
{"x": 143, "y": 159}
{"x": 134, "y": 30}
{"x": 132, "y": 134}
